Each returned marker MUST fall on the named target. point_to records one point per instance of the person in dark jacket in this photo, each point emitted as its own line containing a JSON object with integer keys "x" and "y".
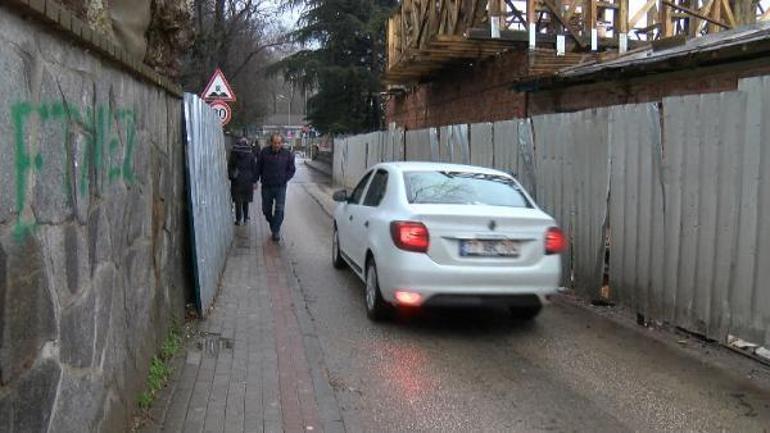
{"x": 275, "y": 167}
{"x": 242, "y": 170}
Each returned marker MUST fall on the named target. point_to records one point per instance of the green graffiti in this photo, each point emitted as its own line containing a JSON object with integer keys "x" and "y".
{"x": 129, "y": 120}
{"x": 19, "y": 113}
{"x": 107, "y": 132}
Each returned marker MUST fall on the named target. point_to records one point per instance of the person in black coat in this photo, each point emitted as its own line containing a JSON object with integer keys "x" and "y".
{"x": 275, "y": 168}
{"x": 242, "y": 170}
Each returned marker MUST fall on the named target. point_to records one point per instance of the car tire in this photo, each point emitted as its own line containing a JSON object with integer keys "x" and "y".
{"x": 525, "y": 312}
{"x": 337, "y": 261}
{"x": 376, "y": 308}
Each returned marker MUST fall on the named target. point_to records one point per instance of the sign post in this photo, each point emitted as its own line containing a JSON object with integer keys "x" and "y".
{"x": 224, "y": 112}
{"x": 217, "y": 94}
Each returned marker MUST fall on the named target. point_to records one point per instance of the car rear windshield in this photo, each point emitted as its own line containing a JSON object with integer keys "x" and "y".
{"x": 454, "y": 187}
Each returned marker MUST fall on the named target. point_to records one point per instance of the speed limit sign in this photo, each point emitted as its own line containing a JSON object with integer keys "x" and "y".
{"x": 224, "y": 112}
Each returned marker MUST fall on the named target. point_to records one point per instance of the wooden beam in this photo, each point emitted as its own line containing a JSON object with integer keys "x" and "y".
{"x": 621, "y": 17}
{"x": 648, "y": 29}
{"x": 555, "y": 12}
{"x": 607, "y": 5}
{"x": 666, "y": 26}
{"x": 696, "y": 14}
{"x": 641, "y": 12}
{"x": 745, "y": 11}
{"x": 716, "y": 14}
{"x": 589, "y": 16}
{"x": 531, "y": 11}
{"x": 705, "y": 10}
{"x": 571, "y": 8}
{"x": 518, "y": 14}
{"x": 728, "y": 13}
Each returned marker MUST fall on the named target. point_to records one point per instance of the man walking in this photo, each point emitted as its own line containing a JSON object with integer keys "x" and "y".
{"x": 275, "y": 167}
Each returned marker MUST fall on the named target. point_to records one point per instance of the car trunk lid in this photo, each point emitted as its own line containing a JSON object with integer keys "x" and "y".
{"x": 481, "y": 235}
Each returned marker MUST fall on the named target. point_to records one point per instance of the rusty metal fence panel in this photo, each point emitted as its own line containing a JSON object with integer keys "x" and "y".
{"x": 459, "y": 146}
{"x": 373, "y": 142}
{"x": 717, "y": 207}
{"x": 481, "y": 144}
{"x": 749, "y": 297}
{"x": 338, "y": 161}
{"x": 636, "y": 203}
{"x": 505, "y": 146}
{"x": 571, "y": 183}
{"x": 209, "y": 198}
{"x": 588, "y": 191}
{"x": 419, "y": 145}
{"x": 444, "y": 146}
{"x": 355, "y": 160}
{"x": 525, "y": 156}
{"x": 513, "y": 151}
{"x": 554, "y": 155}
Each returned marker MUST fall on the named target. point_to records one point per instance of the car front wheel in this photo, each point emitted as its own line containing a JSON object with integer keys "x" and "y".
{"x": 376, "y": 307}
{"x": 337, "y": 260}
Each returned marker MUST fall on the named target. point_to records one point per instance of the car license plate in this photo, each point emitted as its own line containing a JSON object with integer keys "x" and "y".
{"x": 489, "y": 248}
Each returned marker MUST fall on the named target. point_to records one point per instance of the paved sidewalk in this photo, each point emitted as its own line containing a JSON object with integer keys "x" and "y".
{"x": 257, "y": 365}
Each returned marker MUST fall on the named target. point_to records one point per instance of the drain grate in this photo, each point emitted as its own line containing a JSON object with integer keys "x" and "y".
{"x": 212, "y": 343}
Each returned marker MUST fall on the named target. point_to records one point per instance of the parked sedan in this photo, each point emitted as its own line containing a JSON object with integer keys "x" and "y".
{"x": 431, "y": 234}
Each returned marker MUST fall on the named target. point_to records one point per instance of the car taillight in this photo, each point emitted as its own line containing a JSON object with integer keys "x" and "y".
{"x": 410, "y": 236}
{"x": 555, "y": 241}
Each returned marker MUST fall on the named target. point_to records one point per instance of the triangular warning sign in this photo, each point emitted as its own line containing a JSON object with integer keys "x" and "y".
{"x": 218, "y": 88}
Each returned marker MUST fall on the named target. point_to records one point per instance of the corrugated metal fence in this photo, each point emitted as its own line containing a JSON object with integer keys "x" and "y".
{"x": 210, "y": 204}
{"x": 679, "y": 190}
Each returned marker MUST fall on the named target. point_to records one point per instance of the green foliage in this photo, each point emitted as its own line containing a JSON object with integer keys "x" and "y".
{"x": 344, "y": 64}
{"x": 160, "y": 370}
{"x": 171, "y": 346}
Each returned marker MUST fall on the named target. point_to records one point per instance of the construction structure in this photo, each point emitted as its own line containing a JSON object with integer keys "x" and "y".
{"x": 453, "y": 61}
{"x": 426, "y": 35}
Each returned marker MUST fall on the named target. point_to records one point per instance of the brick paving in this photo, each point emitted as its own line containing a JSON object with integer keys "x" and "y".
{"x": 256, "y": 366}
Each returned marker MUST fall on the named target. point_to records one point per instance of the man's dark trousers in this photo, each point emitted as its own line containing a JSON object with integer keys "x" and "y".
{"x": 273, "y": 202}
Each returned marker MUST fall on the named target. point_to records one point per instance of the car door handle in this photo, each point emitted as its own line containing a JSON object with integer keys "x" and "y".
{"x": 366, "y": 224}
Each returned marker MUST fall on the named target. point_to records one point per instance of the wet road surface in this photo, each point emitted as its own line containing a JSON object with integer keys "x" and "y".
{"x": 466, "y": 371}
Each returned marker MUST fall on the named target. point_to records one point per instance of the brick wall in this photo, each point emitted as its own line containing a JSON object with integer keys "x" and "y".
{"x": 644, "y": 89}
{"x": 464, "y": 94}
{"x": 482, "y": 92}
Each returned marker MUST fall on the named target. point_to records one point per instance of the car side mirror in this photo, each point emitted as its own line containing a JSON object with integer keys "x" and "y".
{"x": 340, "y": 196}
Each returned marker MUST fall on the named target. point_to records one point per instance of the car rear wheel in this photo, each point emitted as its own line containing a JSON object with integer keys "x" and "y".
{"x": 337, "y": 260}
{"x": 528, "y": 312}
{"x": 376, "y": 307}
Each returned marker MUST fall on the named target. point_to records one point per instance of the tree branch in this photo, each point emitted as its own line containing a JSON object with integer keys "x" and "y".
{"x": 251, "y": 55}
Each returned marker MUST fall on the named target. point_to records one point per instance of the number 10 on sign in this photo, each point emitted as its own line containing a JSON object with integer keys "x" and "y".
{"x": 224, "y": 112}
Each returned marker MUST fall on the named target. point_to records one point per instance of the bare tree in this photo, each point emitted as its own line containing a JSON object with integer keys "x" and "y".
{"x": 237, "y": 36}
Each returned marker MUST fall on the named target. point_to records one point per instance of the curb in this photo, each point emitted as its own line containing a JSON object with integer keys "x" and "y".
{"x": 319, "y": 168}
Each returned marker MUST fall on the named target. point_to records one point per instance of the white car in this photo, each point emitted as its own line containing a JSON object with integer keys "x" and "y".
{"x": 434, "y": 234}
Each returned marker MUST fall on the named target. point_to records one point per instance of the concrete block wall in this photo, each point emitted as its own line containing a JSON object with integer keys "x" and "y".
{"x": 92, "y": 230}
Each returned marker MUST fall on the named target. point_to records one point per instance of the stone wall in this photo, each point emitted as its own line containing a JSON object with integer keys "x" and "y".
{"x": 92, "y": 231}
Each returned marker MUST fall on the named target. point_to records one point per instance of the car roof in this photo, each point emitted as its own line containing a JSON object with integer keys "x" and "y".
{"x": 437, "y": 166}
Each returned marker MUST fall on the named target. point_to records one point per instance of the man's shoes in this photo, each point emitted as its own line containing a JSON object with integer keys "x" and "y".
{"x": 237, "y": 223}
{"x": 276, "y": 236}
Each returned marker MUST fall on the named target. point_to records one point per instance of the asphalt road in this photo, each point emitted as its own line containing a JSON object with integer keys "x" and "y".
{"x": 572, "y": 370}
